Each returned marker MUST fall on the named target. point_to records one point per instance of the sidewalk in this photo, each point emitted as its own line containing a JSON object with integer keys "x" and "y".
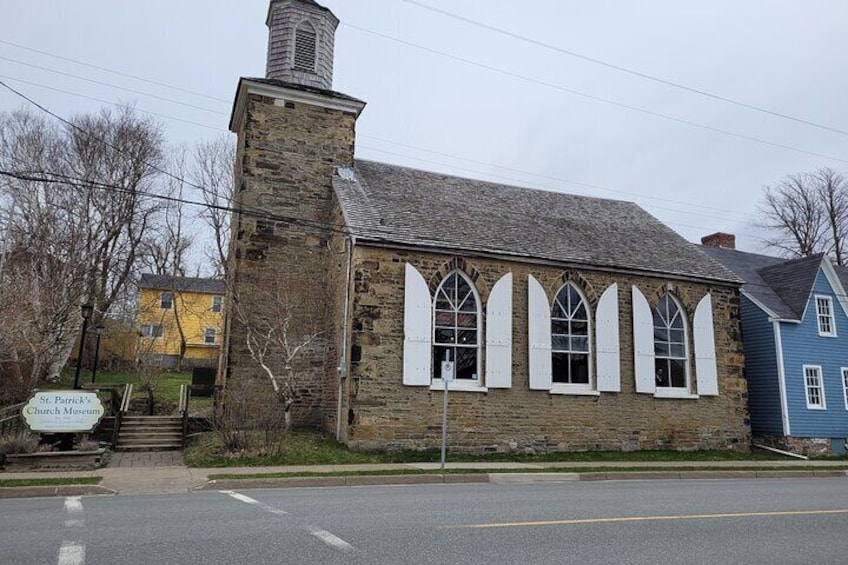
{"x": 162, "y": 473}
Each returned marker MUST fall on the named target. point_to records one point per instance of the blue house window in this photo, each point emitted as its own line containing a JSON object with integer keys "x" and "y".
{"x": 814, "y": 386}
{"x": 845, "y": 385}
{"x": 824, "y": 312}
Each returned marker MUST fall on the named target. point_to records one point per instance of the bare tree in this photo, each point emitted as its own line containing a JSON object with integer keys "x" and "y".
{"x": 75, "y": 207}
{"x": 807, "y": 213}
{"x": 276, "y": 343}
{"x": 214, "y": 162}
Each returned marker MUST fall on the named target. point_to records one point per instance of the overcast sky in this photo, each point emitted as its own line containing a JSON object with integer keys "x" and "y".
{"x": 453, "y": 94}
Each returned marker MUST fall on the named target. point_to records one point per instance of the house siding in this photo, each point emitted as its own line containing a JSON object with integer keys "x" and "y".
{"x": 194, "y": 310}
{"x": 802, "y": 345}
{"x": 761, "y": 370}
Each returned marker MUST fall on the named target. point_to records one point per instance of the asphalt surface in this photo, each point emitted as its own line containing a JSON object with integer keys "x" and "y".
{"x": 768, "y": 521}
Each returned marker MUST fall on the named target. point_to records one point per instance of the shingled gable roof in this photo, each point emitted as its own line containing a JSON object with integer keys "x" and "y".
{"x": 781, "y": 286}
{"x": 183, "y": 284}
{"x": 392, "y": 204}
{"x": 794, "y": 281}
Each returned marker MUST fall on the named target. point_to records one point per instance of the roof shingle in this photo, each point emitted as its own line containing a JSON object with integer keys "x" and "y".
{"x": 182, "y": 284}
{"x": 392, "y": 204}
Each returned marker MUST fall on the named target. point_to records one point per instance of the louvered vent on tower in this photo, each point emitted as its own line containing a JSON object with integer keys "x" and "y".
{"x": 305, "y": 48}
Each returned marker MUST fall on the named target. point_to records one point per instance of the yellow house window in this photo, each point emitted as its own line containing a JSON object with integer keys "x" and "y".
{"x": 217, "y": 302}
{"x": 209, "y": 336}
{"x": 166, "y": 300}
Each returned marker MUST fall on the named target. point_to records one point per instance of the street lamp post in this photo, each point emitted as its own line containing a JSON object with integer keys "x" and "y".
{"x": 98, "y": 329}
{"x": 85, "y": 311}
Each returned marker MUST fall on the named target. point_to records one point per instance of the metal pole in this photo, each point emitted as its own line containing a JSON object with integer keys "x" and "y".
{"x": 96, "y": 352}
{"x": 79, "y": 354}
{"x": 445, "y": 379}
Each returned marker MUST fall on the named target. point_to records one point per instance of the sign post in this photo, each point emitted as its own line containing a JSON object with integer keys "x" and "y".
{"x": 447, "y": 377}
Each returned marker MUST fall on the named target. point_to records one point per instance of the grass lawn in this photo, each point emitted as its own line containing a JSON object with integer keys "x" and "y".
{"x": 312, "y": 448}
{"x": 50, "y": 482}
{"x": 166, "y": 390}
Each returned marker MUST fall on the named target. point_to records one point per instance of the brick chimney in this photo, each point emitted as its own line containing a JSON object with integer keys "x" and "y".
{"x": 719, "y": 239}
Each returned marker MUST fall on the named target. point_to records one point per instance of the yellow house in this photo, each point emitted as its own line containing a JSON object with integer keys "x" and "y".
{"x": 180, "y": 320}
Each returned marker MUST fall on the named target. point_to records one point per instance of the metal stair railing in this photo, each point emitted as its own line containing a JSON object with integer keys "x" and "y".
{"x": 125, "y": 406}
{"x": 185, "y": 397}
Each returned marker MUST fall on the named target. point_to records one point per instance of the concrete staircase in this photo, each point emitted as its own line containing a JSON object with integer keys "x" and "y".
{"x": 150, "y": 433}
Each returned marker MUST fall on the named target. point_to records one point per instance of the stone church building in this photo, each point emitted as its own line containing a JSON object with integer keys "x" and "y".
{"x": 571, "y": 323}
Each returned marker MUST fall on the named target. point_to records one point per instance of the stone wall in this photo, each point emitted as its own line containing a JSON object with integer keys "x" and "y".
{"x": 284, "y": 243}
{"x": 811, "y": 447}
{"x": 385, "y": 415}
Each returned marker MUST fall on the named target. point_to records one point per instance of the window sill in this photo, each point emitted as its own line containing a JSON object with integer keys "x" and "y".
{"x": 816, "y": 407}
{"x": 456, "y": 386}
{"x": 674, "y": 393}
{"x": 573, "y": 390}
{"x": 827, "y": 335}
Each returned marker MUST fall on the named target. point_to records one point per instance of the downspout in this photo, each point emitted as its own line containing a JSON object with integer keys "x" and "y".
{"x": 781, "y": 378}
{"x": 343, "y": 365}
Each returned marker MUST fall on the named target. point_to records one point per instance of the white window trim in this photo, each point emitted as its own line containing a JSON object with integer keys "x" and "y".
{"x": 214, "y": 341}
{"x": 220, "y": 304}
{"x": 574, "y": 389}
{"x": 463, "y": 385}
{"x": 151, "y": 326}
{"x": 844, "y": 373}
{"x": 823, "y": 405}
{"x": 161, "y": 300}
{"x": 829, "y": 300}
{"x": 686, "y": 390}
{"x": 458, "y": 386}
{"x": 669, "y": 392}
{"x": 579, "y": 388}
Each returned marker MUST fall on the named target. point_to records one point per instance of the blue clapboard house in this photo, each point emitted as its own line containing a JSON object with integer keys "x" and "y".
{"x": 794, "y": 318}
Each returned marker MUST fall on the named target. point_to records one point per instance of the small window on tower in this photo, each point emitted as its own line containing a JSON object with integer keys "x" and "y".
{"x": 304, "y": 48}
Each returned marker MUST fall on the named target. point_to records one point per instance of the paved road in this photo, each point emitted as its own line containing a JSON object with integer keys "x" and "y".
{"x": 778, "y": 521}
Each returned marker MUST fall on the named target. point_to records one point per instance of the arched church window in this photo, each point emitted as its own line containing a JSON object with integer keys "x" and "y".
{"x": 456, "y": 327}
{"x": 671, "y": 359}
{"x": 570, "y": 337}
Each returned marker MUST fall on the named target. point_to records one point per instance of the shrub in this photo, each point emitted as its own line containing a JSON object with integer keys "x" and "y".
{"x": 18, "y": 442}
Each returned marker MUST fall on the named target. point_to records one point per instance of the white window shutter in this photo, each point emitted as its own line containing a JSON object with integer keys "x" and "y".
{"x": 499, "y": 334}
{"x": 608, "y": 358}
{"x": 417, "y": 329}
{"x": 539, "y": 326}
{"x": 706, "y": 368}
{"x": 643, "y": 344}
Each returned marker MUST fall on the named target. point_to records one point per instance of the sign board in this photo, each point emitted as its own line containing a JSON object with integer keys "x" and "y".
{"x": 447, "y": 371}
{"x": 60, "y": 411}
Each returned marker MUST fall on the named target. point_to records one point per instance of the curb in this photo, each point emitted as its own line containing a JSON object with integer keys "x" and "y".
{"x": 61, "y": 490}
{"x": 347, "y": 481}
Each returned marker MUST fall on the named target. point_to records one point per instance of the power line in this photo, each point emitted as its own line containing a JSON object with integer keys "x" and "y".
{"x": 109, "y": 102}
{"x": 102, "y": 83}
{"x": 623, "y": 69}
{"x": 448, "y": 155}
{"x": 597, "y": 98}
{"x": 114, "y": 72}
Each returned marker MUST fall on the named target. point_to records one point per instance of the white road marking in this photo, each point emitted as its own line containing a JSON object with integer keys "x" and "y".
{"x": 73, "y": 504}
{"x": 331, "y": 540}
{"x": 248, "y": 500}
{"x": 71, "y": 553}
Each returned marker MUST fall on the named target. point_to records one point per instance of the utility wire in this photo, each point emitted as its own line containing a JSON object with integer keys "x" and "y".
{"x": 114, "y": 72}
{"x": 609, "y": 101}
{"x": 109, "y": 102}
{"x": 101, "y": 83}
{"x": 448, "y": 155}
{"x": 623, "y": 69}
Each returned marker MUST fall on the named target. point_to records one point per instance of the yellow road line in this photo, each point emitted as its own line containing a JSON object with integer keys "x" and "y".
{"x": 654, "y": 518}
